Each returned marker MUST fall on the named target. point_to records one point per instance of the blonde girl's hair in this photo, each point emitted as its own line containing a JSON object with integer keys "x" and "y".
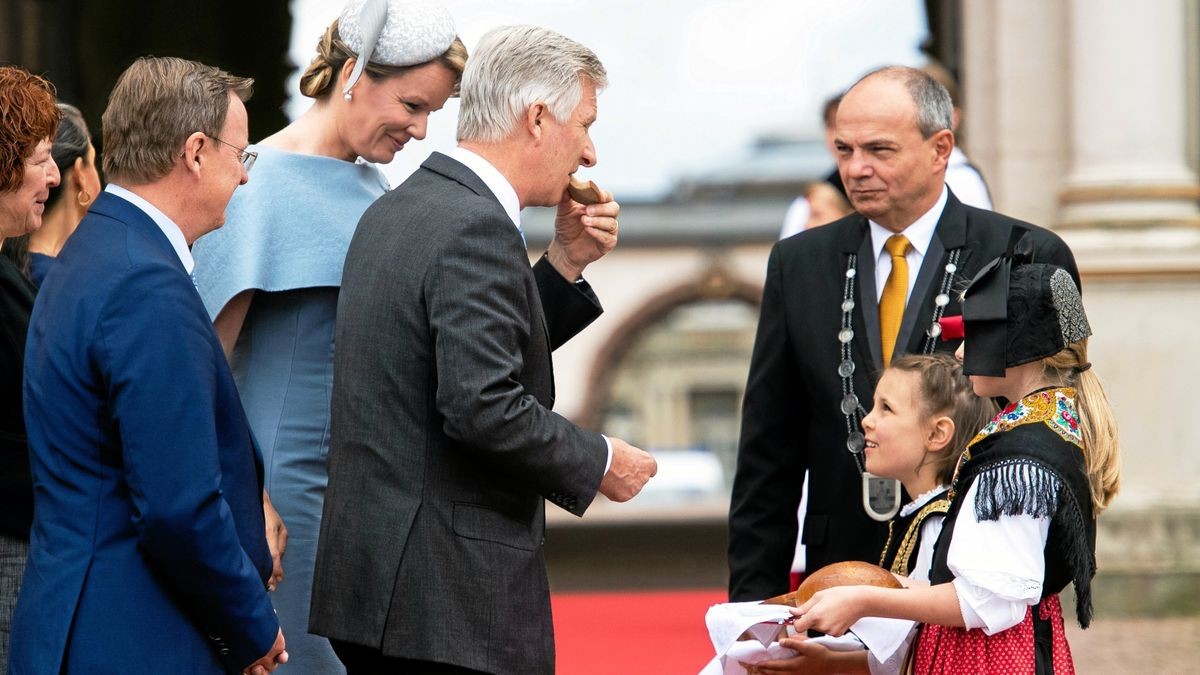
{"x": 1101, "y": 444}
{"x": 944, "y": 389}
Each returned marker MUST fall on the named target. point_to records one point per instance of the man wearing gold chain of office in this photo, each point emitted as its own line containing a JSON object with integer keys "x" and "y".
{"x": 839, "y": 302}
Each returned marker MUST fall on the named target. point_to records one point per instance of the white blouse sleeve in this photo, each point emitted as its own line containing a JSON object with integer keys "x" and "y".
{"x": 998, "y": 565}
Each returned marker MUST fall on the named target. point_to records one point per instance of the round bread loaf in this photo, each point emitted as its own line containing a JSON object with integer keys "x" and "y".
{"x": 849, "y": 573}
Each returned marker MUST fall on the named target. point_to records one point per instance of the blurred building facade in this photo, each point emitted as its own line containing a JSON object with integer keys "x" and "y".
{"x": 1083, "y": 118}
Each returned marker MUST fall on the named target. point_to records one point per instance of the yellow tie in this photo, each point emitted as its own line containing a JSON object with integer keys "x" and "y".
{"x": 895, "y": 292}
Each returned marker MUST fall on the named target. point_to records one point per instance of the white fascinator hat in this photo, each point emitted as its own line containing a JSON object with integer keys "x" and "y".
{"x": 394, "y": 33}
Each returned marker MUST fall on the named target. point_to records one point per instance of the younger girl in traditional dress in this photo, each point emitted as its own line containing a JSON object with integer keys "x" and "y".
{"x": 924, "y": 413}
{"x": 1025, "y": 495}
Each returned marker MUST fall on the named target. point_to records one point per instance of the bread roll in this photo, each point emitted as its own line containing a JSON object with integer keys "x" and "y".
{"x": 584, "y": 192}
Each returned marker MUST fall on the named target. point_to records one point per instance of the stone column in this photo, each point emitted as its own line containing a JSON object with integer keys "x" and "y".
{"x": 1015, "y": 81}
{"x": 1129, "y": 87}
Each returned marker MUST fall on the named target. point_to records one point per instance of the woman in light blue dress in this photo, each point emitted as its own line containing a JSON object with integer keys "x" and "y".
{"x": 270, "y": 276}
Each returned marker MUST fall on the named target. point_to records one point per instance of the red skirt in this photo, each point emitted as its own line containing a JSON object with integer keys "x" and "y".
{"x": 943, "y": 650}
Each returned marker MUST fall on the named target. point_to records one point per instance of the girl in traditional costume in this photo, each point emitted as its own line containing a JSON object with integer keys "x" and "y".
{"x": 924, "y": 413}
{"x": 1025, "y": 495}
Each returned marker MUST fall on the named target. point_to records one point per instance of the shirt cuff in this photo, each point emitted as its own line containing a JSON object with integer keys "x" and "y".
{"x": 607, "y": 462}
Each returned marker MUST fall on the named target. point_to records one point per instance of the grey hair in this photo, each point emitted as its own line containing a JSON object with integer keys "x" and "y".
{"x": 514, "y": 67}
{"x": 934, "y": 106}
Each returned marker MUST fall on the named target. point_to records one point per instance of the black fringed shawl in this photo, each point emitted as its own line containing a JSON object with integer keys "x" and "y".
{"x": 1029, "y": 461}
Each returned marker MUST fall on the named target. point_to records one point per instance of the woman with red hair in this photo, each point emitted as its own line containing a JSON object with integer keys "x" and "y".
{"x": 28, "y": 121}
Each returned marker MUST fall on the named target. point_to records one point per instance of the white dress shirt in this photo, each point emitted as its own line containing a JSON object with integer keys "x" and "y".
{"x": 919, "y": 234}
{"x": 168, "y": 226}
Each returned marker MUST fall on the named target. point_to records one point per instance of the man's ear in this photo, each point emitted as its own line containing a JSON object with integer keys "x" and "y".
{"x": 535, "y": 118}
{"x": 941, "y": 433}
{"x": 943, "y": 145}
{"x": 191, "y": 151}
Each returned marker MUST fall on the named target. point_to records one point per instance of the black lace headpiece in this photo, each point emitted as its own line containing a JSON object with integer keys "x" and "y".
{"x": 1016, "y": 311}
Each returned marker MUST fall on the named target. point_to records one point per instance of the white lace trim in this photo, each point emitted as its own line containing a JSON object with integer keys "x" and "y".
{"x": 921, "y": 500}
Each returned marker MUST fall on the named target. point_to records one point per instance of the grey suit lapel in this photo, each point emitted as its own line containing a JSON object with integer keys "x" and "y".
{"x": 458, "y": 172}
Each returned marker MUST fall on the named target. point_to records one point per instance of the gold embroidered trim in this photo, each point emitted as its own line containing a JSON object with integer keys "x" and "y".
{"x": 909, "y": 543}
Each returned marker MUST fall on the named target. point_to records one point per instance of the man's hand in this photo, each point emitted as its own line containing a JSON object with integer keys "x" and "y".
{"x": 582, "y": 234}
{"x": 272, "y": 659}
{"x": 631, "y": 469}
{"x": 277, "y": 536}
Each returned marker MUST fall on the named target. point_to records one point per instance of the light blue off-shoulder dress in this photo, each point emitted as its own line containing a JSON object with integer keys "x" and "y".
{"x": 285, "y": 237}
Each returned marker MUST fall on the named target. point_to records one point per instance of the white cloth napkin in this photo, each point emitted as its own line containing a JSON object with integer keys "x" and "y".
{"x": 728, "y": 621}
{"x": 882, "y": 636}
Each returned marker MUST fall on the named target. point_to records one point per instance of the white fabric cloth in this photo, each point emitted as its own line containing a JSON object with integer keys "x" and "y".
{"x": 168, "y": 226}
{"x": 728, "y": 621}
{"x": 966, "y": 182}
{"x": 998, "y": 565}
{"x": 919, "y": 234}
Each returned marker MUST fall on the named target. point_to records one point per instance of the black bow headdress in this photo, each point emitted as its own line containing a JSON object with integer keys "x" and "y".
{"x": 1016, "y": 311}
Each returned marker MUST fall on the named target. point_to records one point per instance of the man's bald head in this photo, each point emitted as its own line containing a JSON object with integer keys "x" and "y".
{"x": 931, "y": 102}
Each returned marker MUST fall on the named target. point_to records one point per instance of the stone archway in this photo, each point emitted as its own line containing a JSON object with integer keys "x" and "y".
{"x": 672, "y": 374}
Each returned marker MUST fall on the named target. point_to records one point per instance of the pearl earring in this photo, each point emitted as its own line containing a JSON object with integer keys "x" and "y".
{"x": 348, "y": 96}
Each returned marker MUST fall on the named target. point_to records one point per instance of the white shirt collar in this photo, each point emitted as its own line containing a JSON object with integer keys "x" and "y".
{"x": 921, "y": 500}
{"x": 919, "y": 234}
{"x": 493, "y": 179}
{"x": 168, "y": 226}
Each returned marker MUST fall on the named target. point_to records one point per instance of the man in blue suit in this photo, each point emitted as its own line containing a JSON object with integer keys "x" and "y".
{"x": 147, "y": 552}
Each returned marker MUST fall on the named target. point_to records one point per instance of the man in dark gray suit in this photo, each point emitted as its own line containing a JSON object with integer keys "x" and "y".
{"x": 444, "y": 445}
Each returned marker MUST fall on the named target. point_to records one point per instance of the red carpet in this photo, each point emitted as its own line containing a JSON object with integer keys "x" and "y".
{"x": 634, "y": 632}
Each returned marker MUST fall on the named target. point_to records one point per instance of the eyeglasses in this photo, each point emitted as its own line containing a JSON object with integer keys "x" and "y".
{"x": 246, "y": 157}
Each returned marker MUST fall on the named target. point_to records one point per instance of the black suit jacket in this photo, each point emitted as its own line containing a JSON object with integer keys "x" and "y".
{"x": 791, "y": 422}
{"x": 444, "y": 446}
{"x": 16, "y": 484}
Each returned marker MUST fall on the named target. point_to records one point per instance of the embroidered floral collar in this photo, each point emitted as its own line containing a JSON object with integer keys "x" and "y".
{"x": 1053, "y": 407}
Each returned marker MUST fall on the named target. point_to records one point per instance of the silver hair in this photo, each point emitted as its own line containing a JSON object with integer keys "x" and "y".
{"x": 934, "y": 107}
{"x": 514, "y": 67}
